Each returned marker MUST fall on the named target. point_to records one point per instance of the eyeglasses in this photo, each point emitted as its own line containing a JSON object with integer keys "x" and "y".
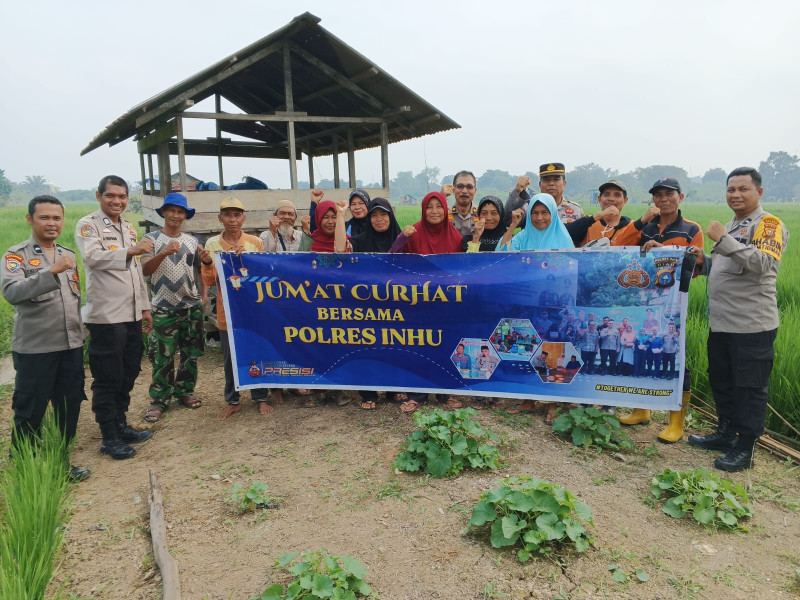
{"x": 464, "y": 186}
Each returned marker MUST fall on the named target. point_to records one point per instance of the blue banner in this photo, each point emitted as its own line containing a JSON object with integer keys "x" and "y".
{"x": 601, "y": 326}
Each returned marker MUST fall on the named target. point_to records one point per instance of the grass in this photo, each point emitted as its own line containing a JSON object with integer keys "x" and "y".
{"x": 35, "y": 495}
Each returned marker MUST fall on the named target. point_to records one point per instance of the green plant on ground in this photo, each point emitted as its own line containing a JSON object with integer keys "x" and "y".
{"x": 619, "y": 574}
{"x": 256, "y": 496}
{"x": 447, "y": 442}
{"x": 317, "y": 575}
{"x": 588, "y": 427}
{"x": 711, "y": 499}
{"x": 534, "y": 514}
{"x": 35, "y": 495}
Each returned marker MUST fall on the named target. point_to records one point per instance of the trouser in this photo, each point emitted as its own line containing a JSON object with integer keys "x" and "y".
{"x": 739, "y": 366}
{"x": 115, "y": 359}
{"x": 588, "y": 361}
{"x": 175, "y": 332}
{"x": 231, "y": 394}
{"x": 56, "y": 377}
{"x": 653, "y": 364}
{"x": 639, "y": 361}
{"x": 608, "y": 361}
{"x": 668, "y": 363}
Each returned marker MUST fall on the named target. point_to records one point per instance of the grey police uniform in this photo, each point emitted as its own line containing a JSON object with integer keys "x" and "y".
{"x": 743, "y": 316}
{"x": 464, "y": 225}
{"x": 116, "y": 298}
{"x": 47, "y": 343}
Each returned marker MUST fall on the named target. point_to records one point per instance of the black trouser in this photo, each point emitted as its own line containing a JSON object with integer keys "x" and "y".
{"x": 231, "y": 394}
{"x": 588, "y": 361}
{"x": 41, "y": 378}
{"x": 608, "y": 362}
{"x": 115, "y": 358}
{"x": 739, "y": 365}
{"x": 668, "y": 365}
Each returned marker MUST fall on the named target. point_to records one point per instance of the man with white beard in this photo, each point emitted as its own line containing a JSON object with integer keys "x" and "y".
{"x": 281, "y": 235}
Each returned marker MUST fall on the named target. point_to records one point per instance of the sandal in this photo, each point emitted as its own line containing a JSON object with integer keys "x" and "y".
{"x": 190, "y": 401}
{"x": 453, "y": 402}
{"x": 552, "y": 414}
{"x": 410, "y": 406}
{"x": 153, "y": 414}
{"x": 517, "y": 409}
{"x": 302, "y": 392}
{"x": 368, "y": 405}
{"x": 343, "y": 400}
{"x": 310, "y": 402}
{"x": 399, "y": 397}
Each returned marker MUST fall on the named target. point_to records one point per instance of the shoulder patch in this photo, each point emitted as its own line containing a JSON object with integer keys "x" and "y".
{"x": 768, "y": 237}
{"x": 13, "y": 262}
{"x": 87, "y": 231}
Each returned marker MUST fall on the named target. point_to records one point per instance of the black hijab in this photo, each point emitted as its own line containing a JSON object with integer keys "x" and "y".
{"x": 358, "y": 226}
{"x": 490, "y": 237}
{"x": 370, "y": 240}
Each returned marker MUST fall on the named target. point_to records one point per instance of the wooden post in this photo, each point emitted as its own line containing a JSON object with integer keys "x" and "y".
{"x": 335, "y": 145}
{"x": 181, "y": 153}
{"x": 385, "y": 155}
{"x": 218, "y": 108}
{"x": 158, "y": 532}
{"x": 164, "y": 169}
{"x": 310, "y": 165}
{"x": 351, "y": 158}
{"x": 152, "y": 176}
{"x": 144, "y": 178}
{"x": 287, "y": 88}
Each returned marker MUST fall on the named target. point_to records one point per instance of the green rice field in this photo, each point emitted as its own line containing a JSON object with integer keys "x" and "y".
{"x": 785, "y": 382}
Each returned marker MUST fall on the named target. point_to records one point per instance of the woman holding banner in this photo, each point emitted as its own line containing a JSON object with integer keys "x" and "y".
{"x": 433, "y": 234}
{"x": 544, "y": 231}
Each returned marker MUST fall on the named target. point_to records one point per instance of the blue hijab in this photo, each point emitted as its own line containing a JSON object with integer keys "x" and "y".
{"x": 555, "y": 237}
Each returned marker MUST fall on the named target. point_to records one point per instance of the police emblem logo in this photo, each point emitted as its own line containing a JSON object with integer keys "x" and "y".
{"x": 112, "y": 247}
{"x": 633, "y": 276}
{"x": 75, "y": 282}
{"x": 569, "y": 211}
{"x": 106, "y": 221}
{"x": 87, "y": 231}
{"x": 34, "y": 262}
{"x": 13, "y": 262}
{"x": 551, "y": 167}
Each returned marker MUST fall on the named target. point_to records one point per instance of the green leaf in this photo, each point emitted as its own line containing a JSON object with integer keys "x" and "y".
{"x": 364, "y": 588}
{"x": 523, "y": 555}
{"x": 522, "y": 502}
{"x": 727, "y": 518}
{"x": 498, "y": 539}
{"x": 673, "y": 510}
{"x": 583, "y": 511}
{"x": 562, "y": 424}
{"x": 483, "y": 512}
{"x": 512, "y": 525}
{"x": 287, "y": 558}
{"x": 579, "y": 436}
{"x": 407, "y": 462}
{"x": 642, "y": 576}
{"x": 323, "y": 586}
{"x": 354, "y": 567}
{"x": 459, "y": 444}
{"x": 550, "y": 525}
{"x": 438, "y": 462}
{"x": 273, "y": 592}
{"x": 544, "y": 502}
{"x": 299, "y": 568}
{"x": 619, "y": 576}
{"x": 704, "y": 515}
{"x": 574, "y": 529}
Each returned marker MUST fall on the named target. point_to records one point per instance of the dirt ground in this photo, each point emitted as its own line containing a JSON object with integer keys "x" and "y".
{"x": 331, "y": 467}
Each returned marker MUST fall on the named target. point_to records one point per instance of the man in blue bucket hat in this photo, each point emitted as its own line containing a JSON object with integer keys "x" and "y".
{"x": 177, "y": 308}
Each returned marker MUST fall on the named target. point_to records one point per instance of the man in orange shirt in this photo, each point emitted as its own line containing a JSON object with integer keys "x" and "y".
{"x": 232, "y": 239}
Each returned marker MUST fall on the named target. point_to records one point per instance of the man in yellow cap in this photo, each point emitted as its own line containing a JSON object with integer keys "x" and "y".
{"x": 232, "y": 239}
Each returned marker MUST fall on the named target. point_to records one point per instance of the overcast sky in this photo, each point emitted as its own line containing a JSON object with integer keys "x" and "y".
{"x": 623, "y": 84}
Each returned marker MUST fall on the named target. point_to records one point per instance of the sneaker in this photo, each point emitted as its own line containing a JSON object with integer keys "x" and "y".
{"x": 129, "y": 435}
{"x": 117, "y": 449}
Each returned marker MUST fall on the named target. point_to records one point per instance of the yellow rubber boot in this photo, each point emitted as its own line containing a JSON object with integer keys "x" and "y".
{"x": 674, "y": 430}
{"x": 639, "y": 415}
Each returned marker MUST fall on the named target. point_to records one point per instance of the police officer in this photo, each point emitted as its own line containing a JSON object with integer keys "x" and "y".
{"x": 40, "y": 278}
{"x": 553, "y": 181}
{"x": 117, "y": 311}
{"x": 463, "y": 214}
{"x": 743, "y": 318}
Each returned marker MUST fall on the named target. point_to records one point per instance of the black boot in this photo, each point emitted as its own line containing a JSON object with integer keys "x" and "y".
{"x": 112, "y": 444}
{"x": 738, "y": 458}
{"x": 723, "y": 439}
{"x": 129, "y": 435}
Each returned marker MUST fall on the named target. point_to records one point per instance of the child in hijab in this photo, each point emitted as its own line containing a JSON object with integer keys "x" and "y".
{"x": 434, "y": 234}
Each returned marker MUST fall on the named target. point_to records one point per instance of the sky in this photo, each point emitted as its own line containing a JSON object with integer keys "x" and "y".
{"x": 622, "y": 84}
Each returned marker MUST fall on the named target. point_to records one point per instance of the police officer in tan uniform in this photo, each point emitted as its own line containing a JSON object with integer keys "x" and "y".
{"x": 743, "y": 318}
{"x": 40, "y": 279}
{"x": 553, "y": 181}
{"x": 117, "y": 311}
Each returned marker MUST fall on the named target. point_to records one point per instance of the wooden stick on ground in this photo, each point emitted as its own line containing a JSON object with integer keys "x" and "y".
{"x": 158, "y": 532}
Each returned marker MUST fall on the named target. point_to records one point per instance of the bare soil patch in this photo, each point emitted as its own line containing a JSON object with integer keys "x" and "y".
{"x": 332, "y": 468}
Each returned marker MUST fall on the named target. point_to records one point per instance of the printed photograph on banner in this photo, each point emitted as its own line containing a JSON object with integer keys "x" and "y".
{"x": 556, "y": 362}
{"x": 515, "y": 339}
{"x": 475, "y": 358}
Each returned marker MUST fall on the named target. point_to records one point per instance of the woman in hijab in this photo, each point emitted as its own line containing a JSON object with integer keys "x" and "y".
{"x": 381, "y": 231}
{"x": 359, "y": 203}
{"x": 489, "y": 228}
{"x": 322, "y": 238}
{"x": 434, "y": 234}
{"x": 544, "y": 231}
{"x": 378, "y": 235}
